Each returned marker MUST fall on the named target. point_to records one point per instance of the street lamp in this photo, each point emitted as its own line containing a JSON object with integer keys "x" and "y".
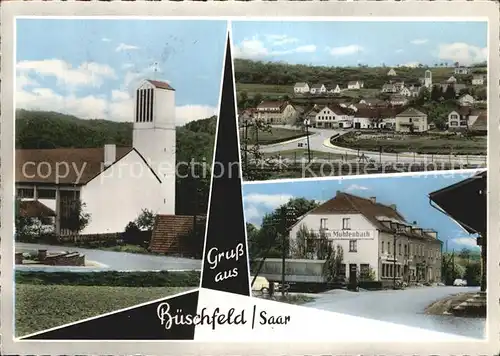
{"x": 307, "y": 123}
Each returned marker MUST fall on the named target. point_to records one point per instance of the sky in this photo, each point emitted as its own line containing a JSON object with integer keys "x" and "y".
{"x": 409, "y": 193}
{"x": 90, "y": 67}
{"x": 350, "y": 43}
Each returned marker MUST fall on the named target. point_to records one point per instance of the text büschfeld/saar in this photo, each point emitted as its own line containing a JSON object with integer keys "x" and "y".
{"x": 169, "y": 318}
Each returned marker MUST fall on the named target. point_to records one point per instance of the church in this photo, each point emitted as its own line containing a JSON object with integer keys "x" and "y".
{"x": 114, "y": 183}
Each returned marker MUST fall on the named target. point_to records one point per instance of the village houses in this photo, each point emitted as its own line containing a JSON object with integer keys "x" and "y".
{"x": 301, "y": 88}
{"x": 334, "y": 89}
{"x": 466, "y": 100}
{"x": 318, "y": 89}
{"x": 391, "y": 72}
{"x": 376, "y": 239}
{"x": 276, "y": 112}
{"x": 355, "y": 85}
{"x": 411, "y": 120}
{"x": 333, "y": 116}
{"x": 461, "y": 70}
{"x": 478, "y": 79}
{"x": 462, "y": 118}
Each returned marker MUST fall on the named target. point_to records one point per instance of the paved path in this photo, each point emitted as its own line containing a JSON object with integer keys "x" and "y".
{"x": 115, "y": 261}
{"x": 319, "y": 140}
{"x": 402, "y": 307}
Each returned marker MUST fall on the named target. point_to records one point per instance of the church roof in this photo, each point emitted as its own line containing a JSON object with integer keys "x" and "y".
{"x": 161, "y": 85}
{"x": 48, "y": 166}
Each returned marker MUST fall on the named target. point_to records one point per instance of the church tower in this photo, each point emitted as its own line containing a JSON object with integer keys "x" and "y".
{"x": 428, "y": 79}
{"x": 154, "y": 136}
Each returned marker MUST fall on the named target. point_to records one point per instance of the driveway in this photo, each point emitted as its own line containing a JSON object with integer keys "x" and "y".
{"x": 114, "y": 261}
{"x": 403, "y": 307}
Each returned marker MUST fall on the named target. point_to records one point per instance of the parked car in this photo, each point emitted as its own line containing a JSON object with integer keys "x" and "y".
{"x": 460, "y": 282}
{"x": 261, "y": 284}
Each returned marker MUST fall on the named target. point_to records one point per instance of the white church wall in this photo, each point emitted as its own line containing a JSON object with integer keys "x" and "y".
{"x": 119, "y": 194}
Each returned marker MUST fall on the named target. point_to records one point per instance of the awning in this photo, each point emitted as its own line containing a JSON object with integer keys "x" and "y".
{"x": 465, "y": 202}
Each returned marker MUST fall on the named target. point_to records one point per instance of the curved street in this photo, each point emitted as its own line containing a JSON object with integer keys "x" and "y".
{"x": 405, "y": 307}
{"x": 112, "y": 261}
{"x": 319, "y": 140}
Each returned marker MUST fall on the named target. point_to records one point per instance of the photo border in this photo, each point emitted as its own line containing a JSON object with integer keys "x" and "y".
{"x": 314, "y": 11}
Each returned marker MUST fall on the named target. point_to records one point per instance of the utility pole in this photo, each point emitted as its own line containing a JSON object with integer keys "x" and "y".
{"x": 246, "y": 143}
{"x": 394, "y": 264}
{"x": 286, "y": 213}
{"x": 307, "y": 122}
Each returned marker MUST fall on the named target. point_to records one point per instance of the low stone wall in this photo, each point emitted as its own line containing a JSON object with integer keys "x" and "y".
{"x": 90, "y": 237}
{"x": 67, "y": 259}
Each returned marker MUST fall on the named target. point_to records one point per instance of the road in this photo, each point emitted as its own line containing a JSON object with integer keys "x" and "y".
{"x": 114, "y": 261}
{"x": 403, "y": 307}
{"x": 319, "y": 140}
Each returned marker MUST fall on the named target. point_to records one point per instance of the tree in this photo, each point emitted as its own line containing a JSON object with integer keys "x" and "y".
{"x": 23, "y": 225}
{"x": 298, "y": 248}
{"x": 450, "y": 93}
{"x": 436, "y": 93}
{"x": 242, "y": 99}
{"x": 333, "y": 263}
{"x": 457, "y": 64}
{"x": 465, "y": 254}
{"x": 146, "y": 220}
{"x": 76, "y": 218}
{"x": 473, "y": 274}
{"x": 276, "y": 223}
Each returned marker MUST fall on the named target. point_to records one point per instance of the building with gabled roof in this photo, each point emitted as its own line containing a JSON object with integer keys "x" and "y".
{"x": 109, "y": 179}
{"x": 375, "y": 238}
{"x": 411, "y": 120}
{"x": 276, "y": 112}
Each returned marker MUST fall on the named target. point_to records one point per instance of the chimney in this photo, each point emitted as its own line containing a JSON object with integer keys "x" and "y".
{"x": 393, "y": 207}
{"x": 373, "y": 199}
{"x": 109, "y": 155}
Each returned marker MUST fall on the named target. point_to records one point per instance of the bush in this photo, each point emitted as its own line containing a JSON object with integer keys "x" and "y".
{"x": 133, "y": 235}
{"x": 473, "y": 274}
{"x": 111, "y": 278}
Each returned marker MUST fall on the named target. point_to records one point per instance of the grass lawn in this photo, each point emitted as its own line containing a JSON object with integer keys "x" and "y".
{"x": 273, "y": 91}
{"x": 40, "y": 307}
{"x": 418, "y": 144}
{"x": 300, "y": 153}
{"x": 276, "y": 133}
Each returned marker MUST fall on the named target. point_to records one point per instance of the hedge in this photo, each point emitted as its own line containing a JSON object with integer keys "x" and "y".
{"x": 111, "y": 278}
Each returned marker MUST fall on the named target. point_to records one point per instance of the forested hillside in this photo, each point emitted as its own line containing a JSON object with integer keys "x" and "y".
{"x": 280, "y": 73}
{"x": 195, "y": 141}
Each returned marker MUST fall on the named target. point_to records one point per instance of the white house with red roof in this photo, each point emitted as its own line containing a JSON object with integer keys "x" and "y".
{"x": 114, "y": 183}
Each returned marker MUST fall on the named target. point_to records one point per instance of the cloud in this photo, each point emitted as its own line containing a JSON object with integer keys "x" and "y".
{"x": 253, "y": 214}
{"x": 411, "y": 64}
{"x": 280, "y": 40}
{"x": 118, "y": 107}
{"x": 127, "y": 65}
{"x": 462, "y": 52}
{"x": 105, "y": 39}
{"x": 270, "y": 201}
{"x": 254, "y": 48}
{"x": 87, "y": 73}
{"x": 188, "y": 113}
{"x": 345, "y": 50}
{"x": 125, "y": 47}
{"x": 356, "y": 187}
{"x": 399, "y": 51}
{"x": 251, "y": 49}
{"x": 466, "y": 241}
{"x": 420, "y": 41}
